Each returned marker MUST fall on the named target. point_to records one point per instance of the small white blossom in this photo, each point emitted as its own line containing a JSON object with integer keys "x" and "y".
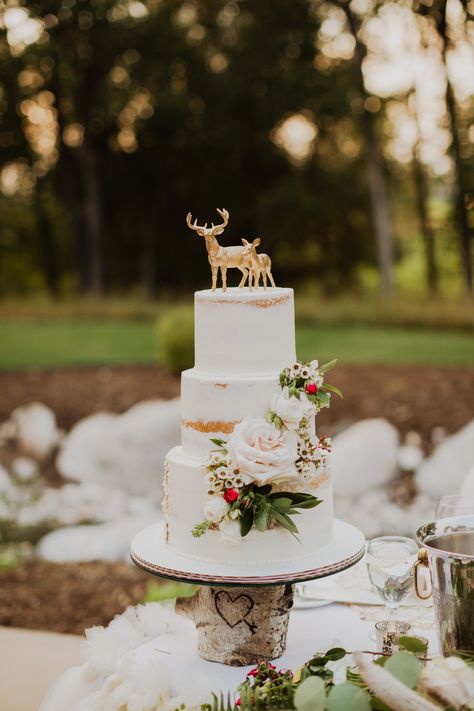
{"x": 215, "y": 508}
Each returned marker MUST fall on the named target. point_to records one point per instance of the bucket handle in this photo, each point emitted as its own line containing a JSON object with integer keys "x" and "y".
{"x": 423, "y": 562}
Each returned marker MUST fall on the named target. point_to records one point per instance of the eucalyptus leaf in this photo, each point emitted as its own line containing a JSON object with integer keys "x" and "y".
{"x": 412, "y": 644}
{"x": 310, "y": 695}
{"x": 405, "y": 667}
{"x": 348, "y": 697}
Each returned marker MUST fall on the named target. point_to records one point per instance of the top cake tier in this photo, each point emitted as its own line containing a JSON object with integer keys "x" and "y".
{"x": 240, "y": 331}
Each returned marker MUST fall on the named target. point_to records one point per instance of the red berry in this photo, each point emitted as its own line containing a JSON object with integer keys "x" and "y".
{"x": 231, "y": 495}
{"x": 311, "y": 388}
{"x": 237, "y": 703}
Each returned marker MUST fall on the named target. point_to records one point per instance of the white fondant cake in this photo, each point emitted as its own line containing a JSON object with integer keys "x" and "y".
{"x": 243, "y": 340}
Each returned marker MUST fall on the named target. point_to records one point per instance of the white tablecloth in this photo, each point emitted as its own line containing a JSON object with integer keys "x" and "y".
{"x": 310, "y": 630}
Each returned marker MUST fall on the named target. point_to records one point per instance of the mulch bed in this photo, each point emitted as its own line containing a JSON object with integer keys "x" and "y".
{"x": 68, "y": 598}
{"x": 412, "y": 397}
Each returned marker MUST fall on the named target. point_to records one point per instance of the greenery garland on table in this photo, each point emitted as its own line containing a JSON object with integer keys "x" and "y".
{"x": 405, "y": 680}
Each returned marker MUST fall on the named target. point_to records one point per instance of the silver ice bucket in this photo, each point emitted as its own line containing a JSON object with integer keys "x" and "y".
{"x": 448, "y": 550}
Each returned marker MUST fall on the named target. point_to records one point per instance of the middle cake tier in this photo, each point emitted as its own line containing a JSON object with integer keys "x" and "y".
{"x": 211, "y": 406}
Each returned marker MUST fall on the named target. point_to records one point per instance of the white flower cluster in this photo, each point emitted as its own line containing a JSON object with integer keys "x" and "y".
{"x": 306, "y": 371}
{"x": 221, "y": 474}
{"x": 312, "y": 453}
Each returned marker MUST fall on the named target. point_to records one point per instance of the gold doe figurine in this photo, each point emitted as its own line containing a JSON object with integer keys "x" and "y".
{"x": 257, "y": 264}
{"x": 219, "y": 257}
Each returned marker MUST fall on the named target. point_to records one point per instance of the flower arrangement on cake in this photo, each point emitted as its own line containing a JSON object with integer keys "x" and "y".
{"x": 253, "y": 477}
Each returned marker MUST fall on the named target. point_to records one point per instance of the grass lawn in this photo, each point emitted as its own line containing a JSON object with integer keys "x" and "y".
{"x": 24, "y": 345}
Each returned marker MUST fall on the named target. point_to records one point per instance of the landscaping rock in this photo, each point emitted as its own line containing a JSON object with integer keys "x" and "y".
{"x": 24, "y": 469}
{"x": 447, "y": 468}
{"x": 376, "y": 515}
{"x": 35, "y": 430}
{"x": 106, "y": 541}
{"x": 363, "y": 456}
{"x": 5, "y": 481}
{"x": 123, "y": 451}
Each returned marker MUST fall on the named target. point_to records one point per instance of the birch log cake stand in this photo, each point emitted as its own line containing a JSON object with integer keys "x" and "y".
{"x": 242, "y": 612}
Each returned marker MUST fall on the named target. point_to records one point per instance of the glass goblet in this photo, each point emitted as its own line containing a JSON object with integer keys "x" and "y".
{"x": 454, "y": 505}
{"x": 390, "y": 563}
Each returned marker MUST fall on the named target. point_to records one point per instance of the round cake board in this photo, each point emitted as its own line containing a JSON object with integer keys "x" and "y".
{"x": 243, "y": 626}
{"x": 150, "y": 552}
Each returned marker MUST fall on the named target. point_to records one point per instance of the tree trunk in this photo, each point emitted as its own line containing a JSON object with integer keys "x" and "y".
{"x": 421, "y": 203}
{"x": 240, "y": 626}
{"x": 148, "y": 258}
{"x": 438, "y": 12}
{"x": 375, "y": 169}
{"x": 47, "y": 247}
{"x": 93, "y": 219}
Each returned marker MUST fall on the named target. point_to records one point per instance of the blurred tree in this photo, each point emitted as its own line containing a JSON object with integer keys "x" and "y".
{"x": 373, "y": 152}
{"x": 436, "y": 11}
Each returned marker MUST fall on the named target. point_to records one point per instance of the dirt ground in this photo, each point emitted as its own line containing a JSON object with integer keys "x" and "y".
{"x": 411, "y": 397}
{"x": 69, "y": 598}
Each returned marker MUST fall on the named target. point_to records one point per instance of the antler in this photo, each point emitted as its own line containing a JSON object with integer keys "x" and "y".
{"x": 225, "y": 216}
{"x": 193, "y": 225}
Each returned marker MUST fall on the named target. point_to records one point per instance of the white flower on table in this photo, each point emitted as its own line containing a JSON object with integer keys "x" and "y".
{"x": 263, "y": 453}
{"x": 215, "y": 508}
{"x": 451, "y": 679}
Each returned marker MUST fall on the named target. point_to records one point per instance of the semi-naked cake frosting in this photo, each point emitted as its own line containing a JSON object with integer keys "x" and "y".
{"x": 243, "y": 340}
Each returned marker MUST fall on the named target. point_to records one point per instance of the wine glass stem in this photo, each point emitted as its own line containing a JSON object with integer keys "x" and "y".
{"x": 392, "y": 611}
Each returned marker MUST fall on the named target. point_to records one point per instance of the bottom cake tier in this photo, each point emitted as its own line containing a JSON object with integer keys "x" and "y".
{"x": 185, "y": 495}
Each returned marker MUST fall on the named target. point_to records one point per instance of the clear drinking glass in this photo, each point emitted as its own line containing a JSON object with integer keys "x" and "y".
{"x": 390, "y": 562}
{"x": 454, "y": 505}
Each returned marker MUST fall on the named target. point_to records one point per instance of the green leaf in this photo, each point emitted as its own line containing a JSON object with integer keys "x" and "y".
{"x": 412, "y": 644}
{"x": 310, "y": 695}
{"x": 285, "y": 521}
{"x": 335, "y": 653}
{"x": 348, "y": 697}
{"x": 405, "y": 667}
{"x": 323, "y": 398}
{"x": 219, "y": 442}
{"x": 246, "y": 521}
{"x": 262, "y": 519}
{"x": 278, "y": 422}
{"x": 201, "y": 528}
{"x": 333, "y": 389}
{"x": 270, "y": 416}
{"x": 327, "y": 366}
{"x": 281, "y": 504}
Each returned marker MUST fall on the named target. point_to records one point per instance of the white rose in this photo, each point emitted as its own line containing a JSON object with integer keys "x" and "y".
{"x": 215, "y": 508}
{"x": 230, "y": 532}
{"x": 263, "y": 452}
{"x": 289, "y": 409}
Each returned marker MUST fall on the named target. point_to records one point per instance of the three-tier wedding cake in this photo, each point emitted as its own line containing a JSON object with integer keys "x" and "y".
{"x": 248, "y": 484}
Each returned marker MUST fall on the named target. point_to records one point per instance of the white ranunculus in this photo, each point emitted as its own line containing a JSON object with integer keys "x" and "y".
{"x": 230, "y": 532}
{"x": 289, "y": 409}
{"x": 263, "y": 452}
{"x": 215, "y": 508}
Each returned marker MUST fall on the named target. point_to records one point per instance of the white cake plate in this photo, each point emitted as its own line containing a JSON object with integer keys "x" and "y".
{"x": 150, "y": 552}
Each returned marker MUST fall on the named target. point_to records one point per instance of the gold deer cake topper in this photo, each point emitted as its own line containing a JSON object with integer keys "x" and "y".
{"x": 251, "y": 264}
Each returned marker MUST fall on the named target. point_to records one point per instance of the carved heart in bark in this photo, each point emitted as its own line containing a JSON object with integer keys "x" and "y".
{"x": 233, "y": 609}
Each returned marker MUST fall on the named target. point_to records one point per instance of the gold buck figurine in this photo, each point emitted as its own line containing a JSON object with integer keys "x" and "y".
{"x": 257, "y": 264}
{"x": 222, "y": 258}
